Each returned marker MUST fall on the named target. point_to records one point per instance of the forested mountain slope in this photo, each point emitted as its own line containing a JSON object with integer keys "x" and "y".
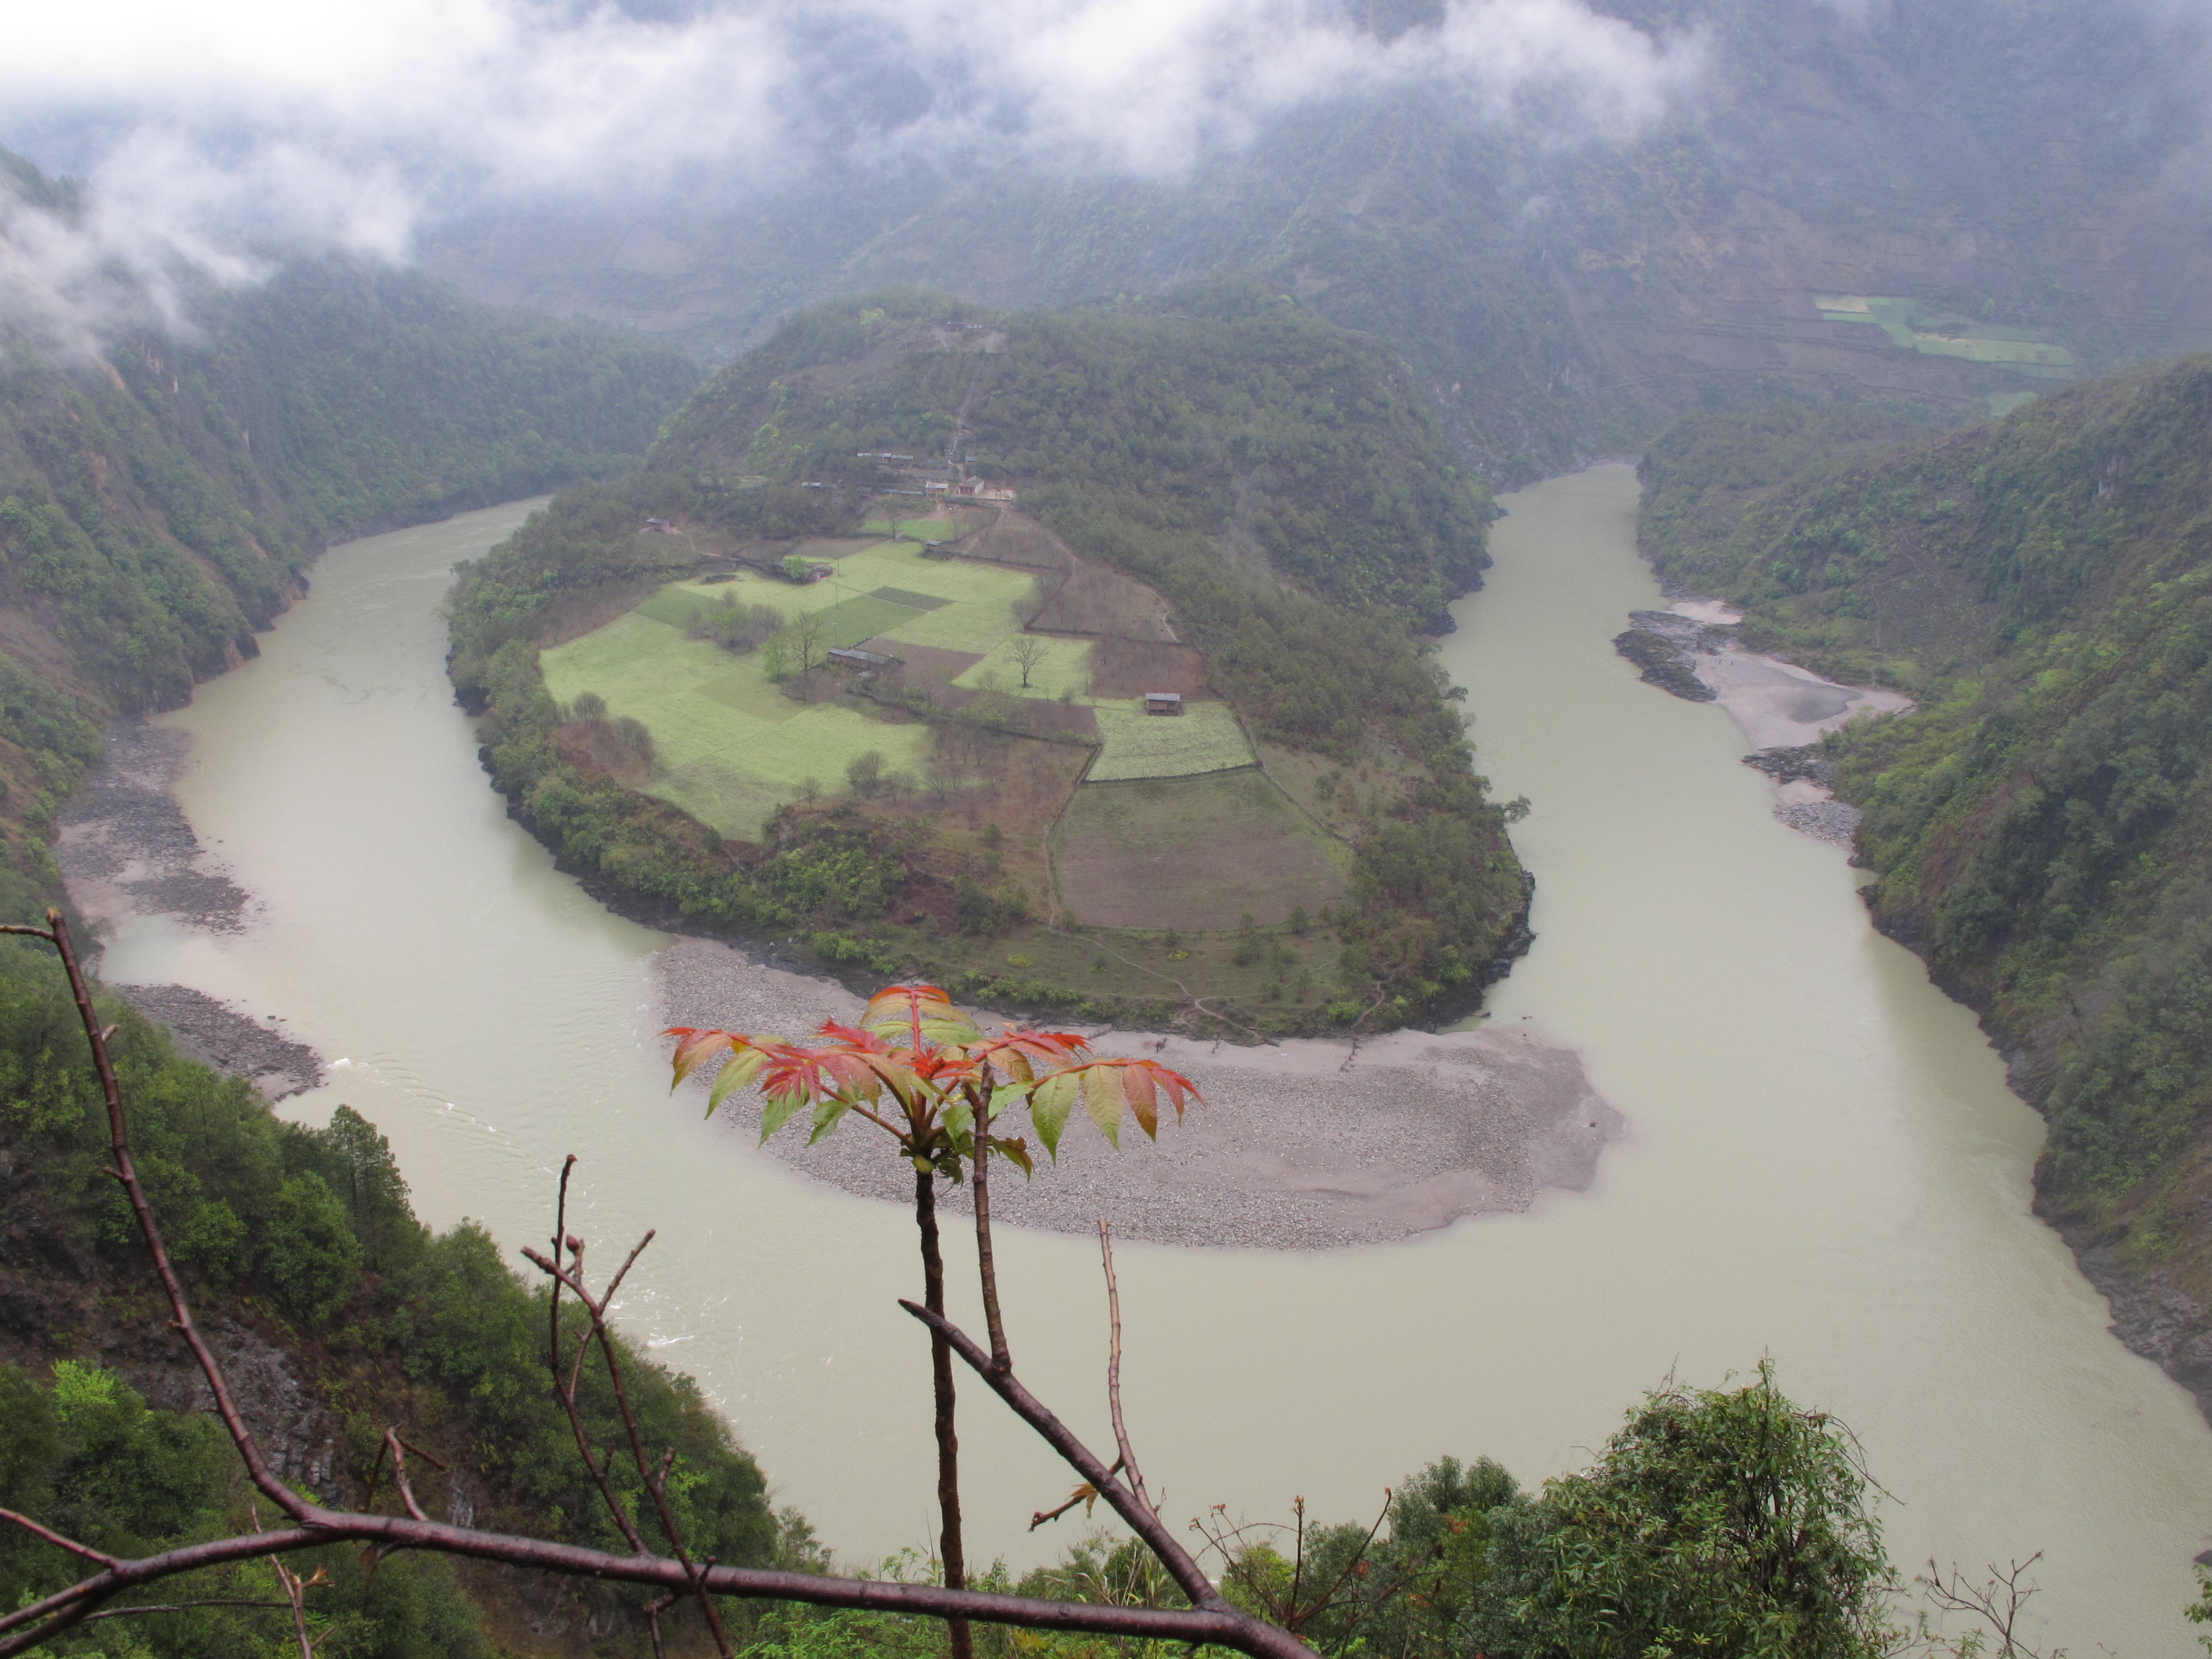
{"x": 162, "y": 498}
{"x": 1284, "y": 504}
{"x": 2009, "y": 175}
{"x": 2041, "y": 829}
{"x": 338, "y": 1315}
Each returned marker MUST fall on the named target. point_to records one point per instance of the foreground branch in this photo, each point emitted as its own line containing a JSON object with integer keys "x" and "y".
{"x": 23, "y": 1631}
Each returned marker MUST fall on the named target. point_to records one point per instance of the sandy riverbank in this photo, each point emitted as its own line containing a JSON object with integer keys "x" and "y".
{"x": 1302, "y": 1145}
{"x": 1778, "y": 705}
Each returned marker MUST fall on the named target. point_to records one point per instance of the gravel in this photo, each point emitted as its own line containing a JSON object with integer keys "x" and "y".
{"x": 1302, "y": 1145}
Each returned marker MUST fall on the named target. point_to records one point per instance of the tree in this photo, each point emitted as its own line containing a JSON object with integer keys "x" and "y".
{"x": 809, "y": 637}
{"x": 866, "y": 772}
{"x": 1733, "y": 1522}
{"x": 919, "y": 1070}
{"x": 1028, "y": 652}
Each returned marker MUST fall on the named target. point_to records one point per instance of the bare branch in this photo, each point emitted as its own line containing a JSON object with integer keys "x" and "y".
{"x": 46, "y": 1535}
{"x": 1222, "y": 1625}
{"x": 1998, "y": 1602}
{"x": 1127, "y": 1459}
{"x": 1146, "y": 1525}
{"x": 1086, "y": 1494}
{"x": 138, "y": 1607}
{"x": 399, "y": 1474}
{"x": 126, "y": 1172}
{"x": 656, "y": 1485}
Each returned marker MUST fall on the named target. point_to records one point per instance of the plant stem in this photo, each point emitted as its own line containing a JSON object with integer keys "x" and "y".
{"x": 948, "y": 1442}
{"x": 986, "y": 1263}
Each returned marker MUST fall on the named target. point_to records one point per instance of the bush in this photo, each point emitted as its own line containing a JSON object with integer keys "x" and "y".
{"x": 310, "y": 1256}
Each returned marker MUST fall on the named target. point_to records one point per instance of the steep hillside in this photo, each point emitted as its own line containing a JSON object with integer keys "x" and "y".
{"x": 2041, "y": 830}
{"x": 163, "y": 499}
{"x": 337, "y": 1316}
{"x": 1231, "y": 497}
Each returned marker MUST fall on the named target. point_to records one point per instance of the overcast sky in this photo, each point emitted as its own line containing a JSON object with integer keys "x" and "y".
{"x": 351, "y": 120}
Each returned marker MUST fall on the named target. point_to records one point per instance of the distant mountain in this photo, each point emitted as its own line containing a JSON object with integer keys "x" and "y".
{"x": 2041, "y": 829}
{"x": 1947, "y": 204}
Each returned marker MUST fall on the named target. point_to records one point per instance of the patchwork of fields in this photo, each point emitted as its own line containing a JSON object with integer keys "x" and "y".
{"x": 2022, "y": 351}
{"x": 732, "y": 745}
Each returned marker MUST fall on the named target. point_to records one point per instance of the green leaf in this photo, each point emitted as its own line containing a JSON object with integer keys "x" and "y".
{"x": 780, "y": 1109}
{"x": 1050, "y": 1102}
{"x": 745, "y": 1064}
{"x": 828, "y": 1112}
{"x": 959, "y": 1119}
{"x": 1102, "y": 1099}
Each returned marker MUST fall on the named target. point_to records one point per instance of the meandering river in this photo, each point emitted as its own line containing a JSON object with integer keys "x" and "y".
{"x": 1823, "y": 1165}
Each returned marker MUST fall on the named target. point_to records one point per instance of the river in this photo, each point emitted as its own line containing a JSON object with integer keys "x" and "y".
{"x": 1823, "y": 1165}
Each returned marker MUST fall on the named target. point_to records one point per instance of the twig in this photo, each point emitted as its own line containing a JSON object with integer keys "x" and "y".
{"x": 1128, "y": 1458}
{"x": 137, "y": 1608}
{"x": 1085, "y": 1462}
{"x": 399, "y": 1474}
{"x": 1086, "y": 1494}
{"x": 656, "y": 1487}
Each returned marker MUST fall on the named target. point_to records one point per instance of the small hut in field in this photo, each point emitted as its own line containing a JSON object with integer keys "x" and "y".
{"x": 1163, "y": 702}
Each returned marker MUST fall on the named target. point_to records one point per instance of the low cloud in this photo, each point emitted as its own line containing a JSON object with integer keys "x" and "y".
{"x": 261, "y": 126}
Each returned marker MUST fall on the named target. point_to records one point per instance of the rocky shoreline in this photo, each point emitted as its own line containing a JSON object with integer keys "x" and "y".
{"x": 1691, "y": 651}
{"x": 1304, "y": 1144}
{"x": 126, "y": 849}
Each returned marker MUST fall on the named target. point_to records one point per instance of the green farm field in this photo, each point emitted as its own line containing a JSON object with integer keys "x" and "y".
{"x": 1192, "y": 853}
{"x": 732, "y": 746}
{"x": 931, "y": 530}
{"x": 1204, "y": 738}
{"x": 2019, "y": 349}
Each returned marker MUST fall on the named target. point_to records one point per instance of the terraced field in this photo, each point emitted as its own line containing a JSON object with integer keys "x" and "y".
{"x": 1191, "y": 854}
{"x": 732, "y": 744}
{"x": 1205, "y": 737}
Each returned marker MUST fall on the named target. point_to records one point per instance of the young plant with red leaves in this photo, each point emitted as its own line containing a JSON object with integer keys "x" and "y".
{"x": 920, "y": 1070}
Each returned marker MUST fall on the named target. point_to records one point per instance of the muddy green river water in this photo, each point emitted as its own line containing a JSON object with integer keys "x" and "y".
{"x": 1822, "y": 1165}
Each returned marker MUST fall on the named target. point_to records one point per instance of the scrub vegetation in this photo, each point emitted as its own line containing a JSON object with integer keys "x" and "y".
{"x": 1228, "y": 498}
{"x": 2042, "y": 587}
